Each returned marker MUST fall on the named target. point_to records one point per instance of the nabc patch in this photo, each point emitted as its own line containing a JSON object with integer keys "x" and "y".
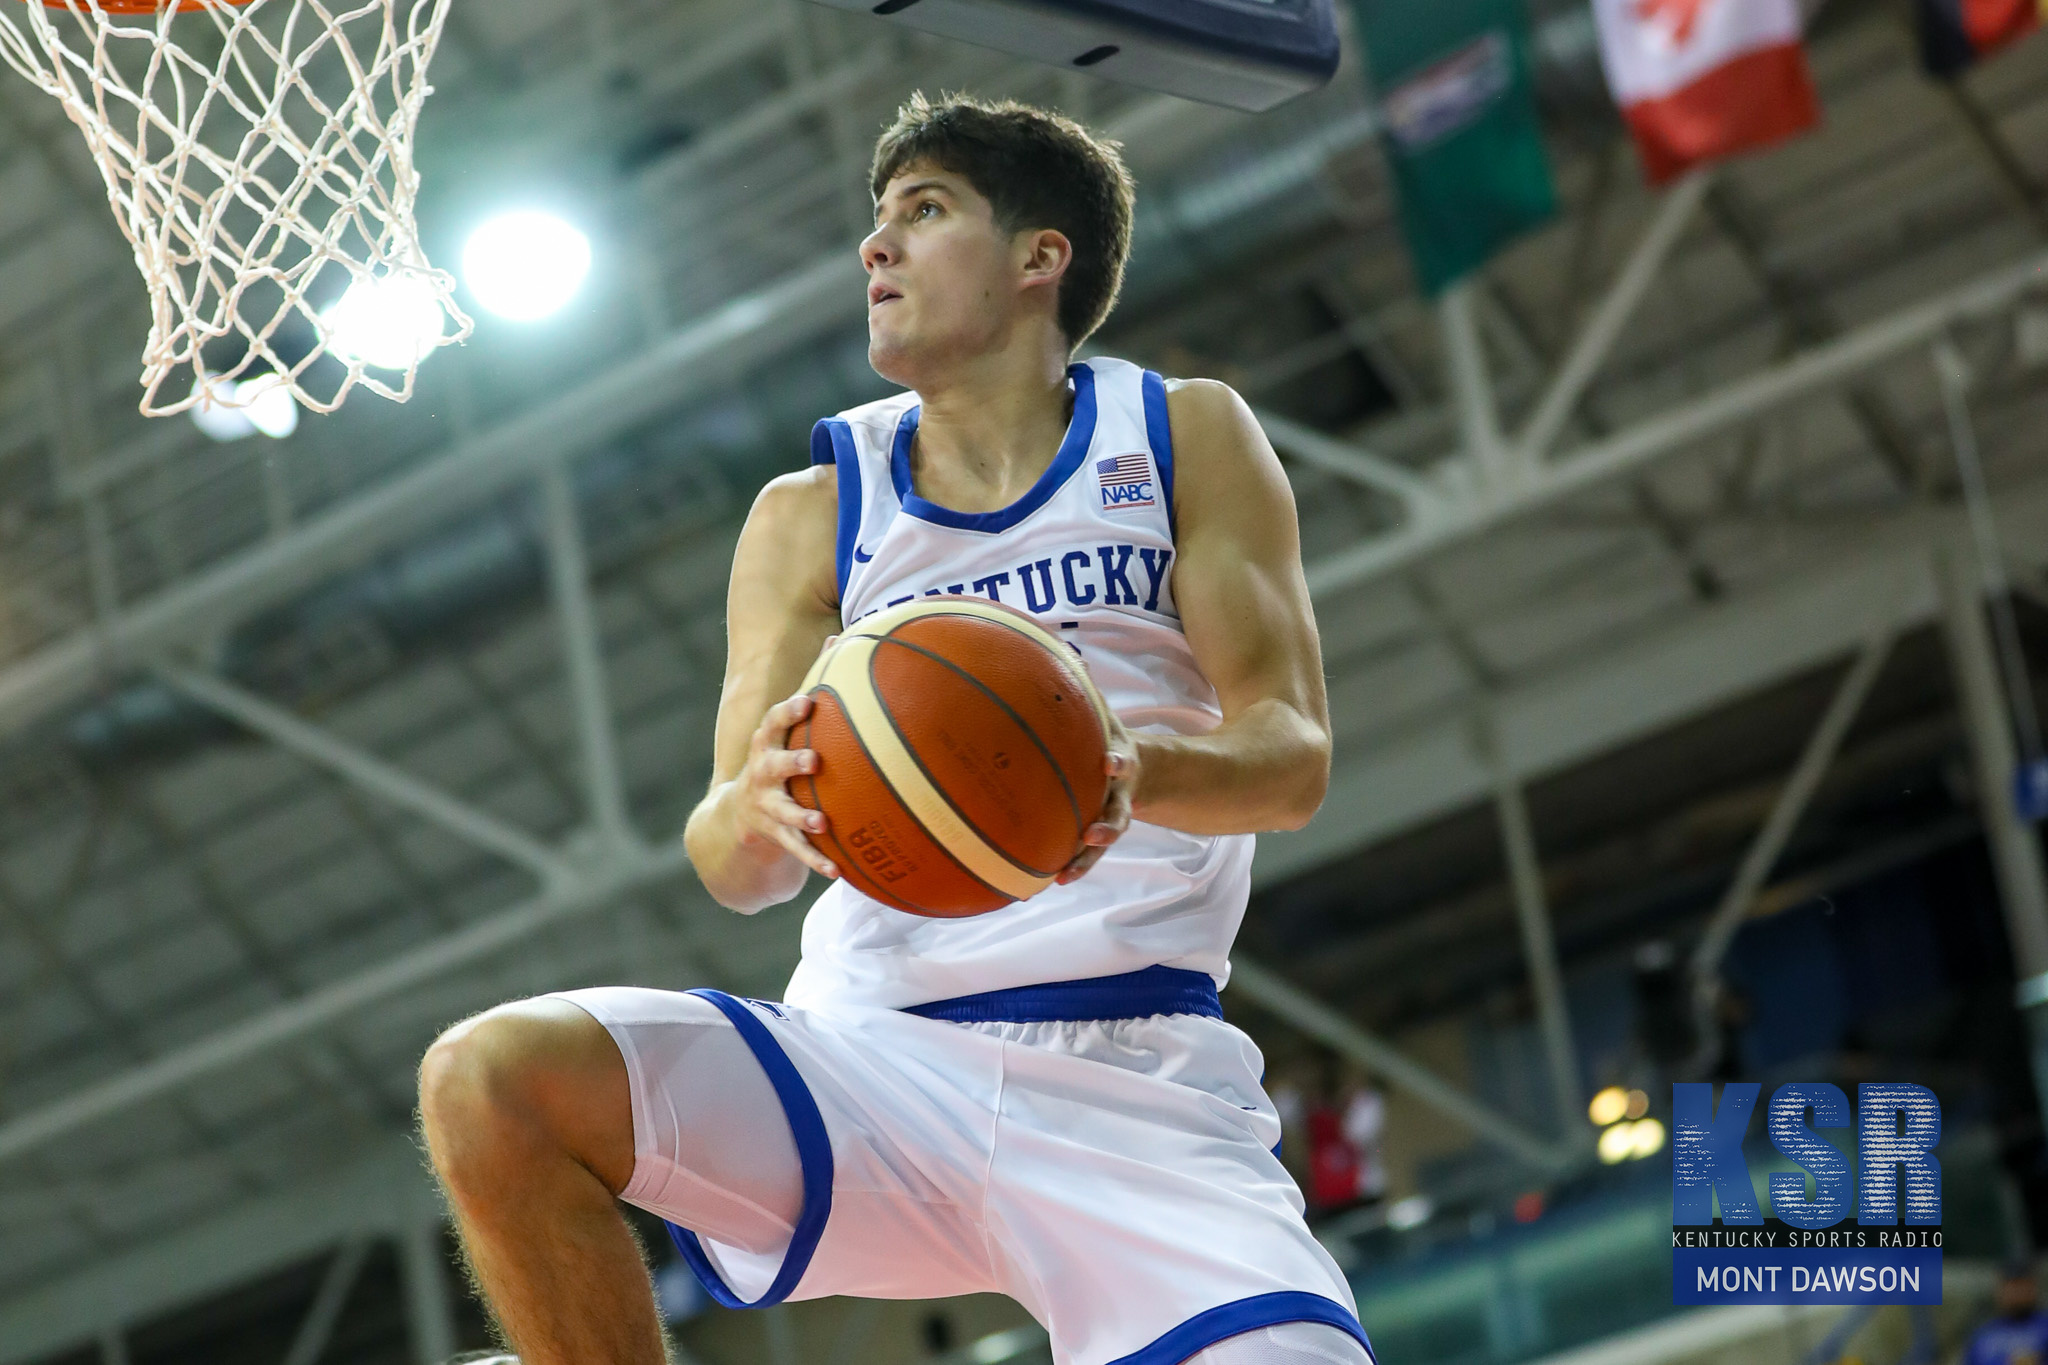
{"x": 1126, "y": 481}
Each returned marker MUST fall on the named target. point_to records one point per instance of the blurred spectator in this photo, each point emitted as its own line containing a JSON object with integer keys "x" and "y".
{"x": 1345, "y": 1162}
{"x": 2019, "y": 1334}
{"x": 1365, "y": 1122}
{"x": 1332, "y": 1162}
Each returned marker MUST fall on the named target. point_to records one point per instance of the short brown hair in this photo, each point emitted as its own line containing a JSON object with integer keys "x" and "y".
{"x": 1037, "y": 169}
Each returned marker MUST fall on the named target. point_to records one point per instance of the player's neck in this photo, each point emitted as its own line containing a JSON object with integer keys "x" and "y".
{"x": 991, "y": 425}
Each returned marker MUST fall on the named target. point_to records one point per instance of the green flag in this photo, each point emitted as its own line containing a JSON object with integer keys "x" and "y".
{"x": 1459, "y": 126}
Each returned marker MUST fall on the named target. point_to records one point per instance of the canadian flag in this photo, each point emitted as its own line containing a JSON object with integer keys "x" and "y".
{"x": 1699, "y": 80}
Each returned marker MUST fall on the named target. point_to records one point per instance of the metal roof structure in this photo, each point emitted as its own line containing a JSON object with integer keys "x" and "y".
{"x": 309, "y": 748}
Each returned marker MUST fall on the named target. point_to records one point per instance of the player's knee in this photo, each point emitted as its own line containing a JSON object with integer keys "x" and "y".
{"x": 470, "y": 1086}
{"x": 517, "y": 1083}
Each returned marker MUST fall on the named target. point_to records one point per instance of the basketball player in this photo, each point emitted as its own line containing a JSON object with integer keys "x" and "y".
{"x": 1043, "y": 1101}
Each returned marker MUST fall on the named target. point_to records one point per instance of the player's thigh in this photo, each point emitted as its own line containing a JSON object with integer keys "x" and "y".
{"x": 711, "y": 1148}
{"x": 1286, "y": 1343}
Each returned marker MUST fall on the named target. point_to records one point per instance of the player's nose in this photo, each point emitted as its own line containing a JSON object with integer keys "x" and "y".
{"x": 879, "y": 248}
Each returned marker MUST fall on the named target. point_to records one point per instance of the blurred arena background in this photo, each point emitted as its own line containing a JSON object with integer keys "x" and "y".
{"x": 1648, "y": 594}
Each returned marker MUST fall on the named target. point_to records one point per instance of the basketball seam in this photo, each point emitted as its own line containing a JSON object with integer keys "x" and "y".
{"x": 975, "y": 609}
{"x": 869, "y": 701}
{"x": 951, "y": 805}
{"x": 936, "y": 842}
{"x": 1073, "y": 805}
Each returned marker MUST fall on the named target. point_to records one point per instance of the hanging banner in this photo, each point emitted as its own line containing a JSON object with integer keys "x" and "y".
{"x": 1699, "y": 80}
{"x": 1956, "y": 33}
{"x": 1459, "y": 127}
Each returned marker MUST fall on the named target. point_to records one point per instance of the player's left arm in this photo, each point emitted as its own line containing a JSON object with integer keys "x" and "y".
{"x": 1244, "y": 604}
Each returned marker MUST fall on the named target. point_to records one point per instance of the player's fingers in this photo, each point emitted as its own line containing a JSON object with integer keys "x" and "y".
{"x": 797, "y": 847}
{"x": 1116, "y": 813}
{"x": 1101, "y": 834}
{"x": 1084, "y": 860}
{"x": 779, "y": 765}
{"x": 775, "y": 723}
{"x": 1123, "y": 774}
{"x": 795, "y": 815}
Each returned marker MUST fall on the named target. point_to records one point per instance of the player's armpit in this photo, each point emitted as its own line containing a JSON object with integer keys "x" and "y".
{"x": 746, "y": 837}
{"x": 1244, "y": 603}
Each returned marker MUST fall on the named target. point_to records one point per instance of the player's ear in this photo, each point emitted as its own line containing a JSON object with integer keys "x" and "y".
{"x": 1046, "y": 255}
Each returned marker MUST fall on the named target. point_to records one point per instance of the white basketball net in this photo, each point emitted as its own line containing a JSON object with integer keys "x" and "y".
{"x": 259, "y": 159}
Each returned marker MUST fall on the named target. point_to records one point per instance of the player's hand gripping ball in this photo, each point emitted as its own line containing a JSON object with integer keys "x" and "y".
{"x": 962, "y": 753}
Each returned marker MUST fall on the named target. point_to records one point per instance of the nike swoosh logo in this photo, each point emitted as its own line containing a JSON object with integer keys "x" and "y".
{"x": 858, "y": 556}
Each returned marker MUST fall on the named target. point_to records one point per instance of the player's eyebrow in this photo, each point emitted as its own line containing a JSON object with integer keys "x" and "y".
{"x": 913, "y": 188}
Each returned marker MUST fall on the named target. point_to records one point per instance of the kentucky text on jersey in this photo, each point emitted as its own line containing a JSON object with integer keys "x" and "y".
{"x": 1113, "y": 575}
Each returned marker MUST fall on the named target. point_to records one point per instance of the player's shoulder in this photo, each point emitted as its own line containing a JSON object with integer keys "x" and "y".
{"x": 1204, "y": 401}
{"x": 797, "y": 499}
{"x": 1212, "y": 426}
{"x": 790, "y": 534}
{"x": 1226, "y": 468}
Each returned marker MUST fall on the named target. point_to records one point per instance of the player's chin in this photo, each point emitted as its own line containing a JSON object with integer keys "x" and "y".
{"x": 907, "y": 355}
{"x": 889, "y": 357}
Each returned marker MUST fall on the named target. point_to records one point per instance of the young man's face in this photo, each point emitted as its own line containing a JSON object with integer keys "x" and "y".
{"x": 944, "y": 279}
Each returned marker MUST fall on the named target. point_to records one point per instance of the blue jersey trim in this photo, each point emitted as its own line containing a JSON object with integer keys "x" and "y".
{"x": 1073, "y": 450}
{"x": 1131, "y": 995}
{"x": 832, "y": 443}
{"x": 813, "y": 1150}
{"x": 1159, "y": 433}
{"x": 1204, "y": 1330}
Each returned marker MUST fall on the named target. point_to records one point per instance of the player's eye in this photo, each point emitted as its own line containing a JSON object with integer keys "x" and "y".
{"x": 925, "y": 209}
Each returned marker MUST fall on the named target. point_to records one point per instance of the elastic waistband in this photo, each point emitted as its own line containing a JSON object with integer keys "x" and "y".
{"x": 1132, "y": 995}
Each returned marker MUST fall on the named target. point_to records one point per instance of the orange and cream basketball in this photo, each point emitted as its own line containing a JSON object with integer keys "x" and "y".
{"x": 961, "y": 754}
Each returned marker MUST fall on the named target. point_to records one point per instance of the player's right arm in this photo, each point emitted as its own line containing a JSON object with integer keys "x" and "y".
{"x": 746, "y": 837}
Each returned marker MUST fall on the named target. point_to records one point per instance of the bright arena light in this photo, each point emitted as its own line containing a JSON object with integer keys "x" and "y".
{"x": 525, "y": 265}
{"x": 1608, "y": 1106}
{"x": 1631, "y": 1141}
{"x": 1648, "y": 1138}
{"x": 389, "y": 322}
{"x": 237, "y": 409}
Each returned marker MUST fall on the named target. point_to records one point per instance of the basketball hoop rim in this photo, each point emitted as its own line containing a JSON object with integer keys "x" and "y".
{"x": 133, "y": 9}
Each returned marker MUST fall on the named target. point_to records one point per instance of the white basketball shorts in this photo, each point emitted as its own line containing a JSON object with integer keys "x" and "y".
{"x": 1113, "y": 1173}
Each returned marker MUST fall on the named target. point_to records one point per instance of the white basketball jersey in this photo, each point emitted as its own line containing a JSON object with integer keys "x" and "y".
{"x": 1089, "y": 552}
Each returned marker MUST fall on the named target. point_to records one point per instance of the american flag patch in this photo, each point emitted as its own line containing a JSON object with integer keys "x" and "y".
{"x": 1126, "y": 481}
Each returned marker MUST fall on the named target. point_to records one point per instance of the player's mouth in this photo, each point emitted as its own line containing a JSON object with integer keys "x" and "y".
{"x": 879, "y": 293}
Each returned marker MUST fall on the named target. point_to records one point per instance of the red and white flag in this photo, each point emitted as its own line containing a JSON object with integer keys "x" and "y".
{"x": 1699, "y": 80}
